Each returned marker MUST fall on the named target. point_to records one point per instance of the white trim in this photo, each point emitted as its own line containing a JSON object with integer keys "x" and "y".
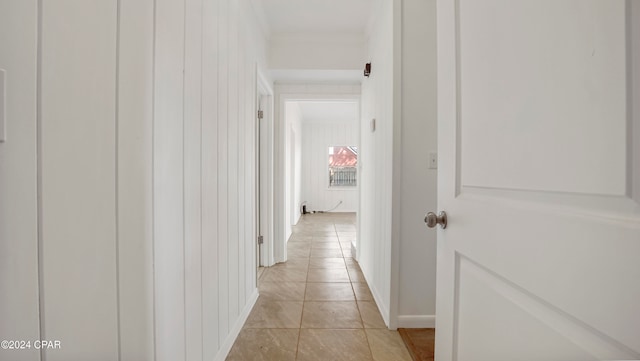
{"x": 265, "y": 88}
{"x": 417, "y": 321}
{"x": 3, "y": 106}
{"x": 225, "y": 348}
{"x": 379, "y": 302}
{"x": 396, "y": 182}
{"x": 345, "y": 188}
{"x": 634, "y": 103}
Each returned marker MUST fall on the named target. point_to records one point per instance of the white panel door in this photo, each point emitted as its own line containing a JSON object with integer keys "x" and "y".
{"x": 540, "y": 259}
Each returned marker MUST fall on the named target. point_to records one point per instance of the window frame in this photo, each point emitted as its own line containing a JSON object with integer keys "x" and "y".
{"x": 328, "y": 168}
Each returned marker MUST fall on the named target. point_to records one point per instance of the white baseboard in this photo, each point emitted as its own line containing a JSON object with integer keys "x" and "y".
{"x": 381, "y": 306}
{"x": 226, "y": 346}
{"x": 417, "y": 321}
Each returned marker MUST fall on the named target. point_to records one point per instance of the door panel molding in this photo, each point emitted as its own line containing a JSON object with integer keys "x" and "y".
{"x": 558, "y": 258}
{"x": 587, "y": 338}
{"x": 606, "y": 170}
{"x": 603, "y": 207}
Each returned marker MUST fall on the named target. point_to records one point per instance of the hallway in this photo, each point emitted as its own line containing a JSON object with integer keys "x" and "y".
{"x": 317, "y": 305}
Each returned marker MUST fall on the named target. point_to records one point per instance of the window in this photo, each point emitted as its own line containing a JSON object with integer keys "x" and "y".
{"x": 343, "y": 162}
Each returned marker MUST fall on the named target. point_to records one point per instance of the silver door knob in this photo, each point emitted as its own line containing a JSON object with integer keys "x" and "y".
{"x": 431, "y": 219}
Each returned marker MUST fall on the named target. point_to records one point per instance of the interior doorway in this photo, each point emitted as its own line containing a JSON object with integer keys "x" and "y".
{"x": 320, "y": 162}
{"x": 264, "y": 175}
{"x": 259, "y": 192}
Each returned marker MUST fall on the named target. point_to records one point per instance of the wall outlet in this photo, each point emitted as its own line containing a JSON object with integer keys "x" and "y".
{"x": 433, "y": 160}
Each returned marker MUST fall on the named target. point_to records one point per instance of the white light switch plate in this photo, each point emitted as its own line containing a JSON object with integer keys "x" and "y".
{"x": 433, "y": 160}
{"x": 3, "y": 106}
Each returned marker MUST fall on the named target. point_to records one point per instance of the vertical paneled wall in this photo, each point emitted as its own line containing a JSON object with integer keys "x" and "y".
{"x": 634, "y": 157}
{"x": 19, "y": 314}
{"x": 168, "y": 180}
{"x": 142, "y": 153}
{"x": 77, "y": 174}
{"x": 135, "y": 179}
{"x": 292, "y": 163}
{"x": 204, "y": 183}
{"x": 209, "y": 182}
{"x": 316, "y": 138}
{"x": 376, "y": 161}
{"x": 193, "y": 179}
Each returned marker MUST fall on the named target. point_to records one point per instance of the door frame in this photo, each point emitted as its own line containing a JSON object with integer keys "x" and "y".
{"x": 290, "y": 93}
{"x": 264, "y": 136}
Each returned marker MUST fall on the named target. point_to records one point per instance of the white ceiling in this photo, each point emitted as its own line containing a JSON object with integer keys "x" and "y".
{"x": 313, "y": 16}
{"x": 317, "y": 76}
{"x": 328, "y": 111}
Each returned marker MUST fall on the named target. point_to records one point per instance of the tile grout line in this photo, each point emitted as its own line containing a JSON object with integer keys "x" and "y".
{"x": 304, "y": 300}
{"x": 320, "y": 232}
{"x": 364, "y": 330}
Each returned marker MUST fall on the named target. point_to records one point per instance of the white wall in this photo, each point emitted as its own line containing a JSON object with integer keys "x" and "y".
{"x": 398, "y": 253}
{"x": 204, "y": 164}
{"x": 78, "y": 178}
{"x": 19, "y": 306}
{"x": 293, "y": 163}
{"x": 317, "y": 136}
{"x": 376, "y": 151}
{"x": 168, "y": 180}
{"x": 417, "y": 265}
{"x": 143, "y": 156}
{"x": 634, "y": 157}
{"x": 134, "y": 180}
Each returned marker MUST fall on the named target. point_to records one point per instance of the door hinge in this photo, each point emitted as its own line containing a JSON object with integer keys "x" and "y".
{"x": 260, "y": 114}
{"x": 260, "y": 239}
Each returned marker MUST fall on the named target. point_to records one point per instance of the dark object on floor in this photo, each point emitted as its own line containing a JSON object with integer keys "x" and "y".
{"x": 420, "y": 342}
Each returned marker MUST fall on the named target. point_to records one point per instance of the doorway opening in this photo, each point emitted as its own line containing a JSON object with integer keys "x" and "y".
{"x": 264, "y": 185}
{"x": 321, "y": 139}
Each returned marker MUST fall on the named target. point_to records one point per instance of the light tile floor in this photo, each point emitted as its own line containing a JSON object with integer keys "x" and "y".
{"x": 317, "y": 305}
